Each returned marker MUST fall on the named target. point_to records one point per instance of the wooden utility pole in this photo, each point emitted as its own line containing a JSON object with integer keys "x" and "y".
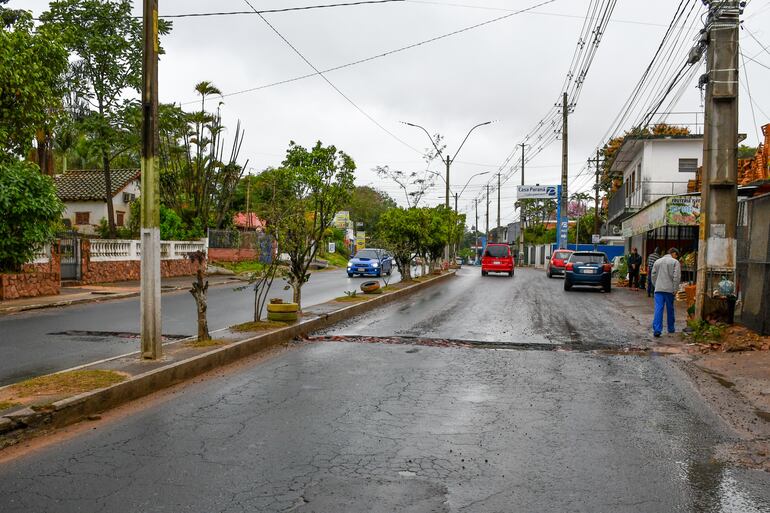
{"x": 564, "y": 172}
{"x": 150, "y": 201}
{"x": 596, "y": 162}
{"x": 476, "y": 230}
{"x": 719, "y": 192}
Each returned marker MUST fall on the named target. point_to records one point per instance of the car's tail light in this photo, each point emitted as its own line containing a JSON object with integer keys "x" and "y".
{"x": 569, "y": 266}
{"x": 607, "y": 268}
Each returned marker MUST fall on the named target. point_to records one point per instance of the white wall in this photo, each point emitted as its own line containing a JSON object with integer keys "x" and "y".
{"x": 660, "y": 166}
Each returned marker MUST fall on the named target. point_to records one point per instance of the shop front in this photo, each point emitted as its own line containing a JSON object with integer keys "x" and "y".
{"x": 670, "y": 222}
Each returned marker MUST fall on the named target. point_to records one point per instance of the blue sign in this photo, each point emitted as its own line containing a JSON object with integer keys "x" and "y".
{"x": 562, "y": 225}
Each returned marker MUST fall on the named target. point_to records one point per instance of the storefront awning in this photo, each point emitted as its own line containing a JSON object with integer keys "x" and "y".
{"x": 683, "y": 210}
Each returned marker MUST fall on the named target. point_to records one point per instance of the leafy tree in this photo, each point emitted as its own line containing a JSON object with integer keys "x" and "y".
{"x": 308, "y": 190}
{"x": 197, "y": 179}
{"x": 30, "y": 210}
{"x": 398, "y": 233}
{"x": 366, "y": 205}
{"x": 107, "y": 41}
{"x": 30, "y": 66}
{"x": 746, "y": 152}
{"x": 413, "y": 184}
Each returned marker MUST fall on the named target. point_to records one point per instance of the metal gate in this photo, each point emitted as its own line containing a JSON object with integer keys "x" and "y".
{"x": 69, "y": 252}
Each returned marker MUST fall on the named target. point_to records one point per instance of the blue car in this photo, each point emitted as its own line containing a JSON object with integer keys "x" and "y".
{"x": 370, "y": 261}
{"x": 591, "y": 268}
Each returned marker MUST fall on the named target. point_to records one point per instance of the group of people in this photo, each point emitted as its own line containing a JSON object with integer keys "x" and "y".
{"x": 664, "y": 273}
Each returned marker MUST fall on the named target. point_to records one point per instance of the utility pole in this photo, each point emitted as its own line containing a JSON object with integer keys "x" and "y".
{"x": 521, "y": 208}
{"x": 562, "y": 231}
{"x": 497, "y": 233}
{"x": 476, "y": 229}
{"x": 719, "y": 193}
{"x": 150, "y": 202}
{"x": 487, "y": 232}
{"x": 596, "y": 196}
{"x": 456, "y": 195}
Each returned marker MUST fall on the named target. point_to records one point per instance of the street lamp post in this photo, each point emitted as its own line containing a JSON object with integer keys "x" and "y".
{"x": 448, "y": 161}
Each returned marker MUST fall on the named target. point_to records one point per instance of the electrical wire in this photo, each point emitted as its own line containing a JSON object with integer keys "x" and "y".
{"x": 271, "y": 11}
{"x": 381, "y": 55}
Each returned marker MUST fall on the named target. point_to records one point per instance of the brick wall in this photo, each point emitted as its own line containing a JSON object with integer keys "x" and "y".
{"x": 232, "y": 254}
{"x": 128, "y": 270}
{"x": 29, "y": 284}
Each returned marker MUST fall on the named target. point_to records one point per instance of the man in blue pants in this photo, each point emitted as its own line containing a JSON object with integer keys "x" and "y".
{"x": 666, "y": 275}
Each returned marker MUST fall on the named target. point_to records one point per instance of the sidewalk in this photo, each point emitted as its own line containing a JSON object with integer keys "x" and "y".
{"x": 103, "y": 292}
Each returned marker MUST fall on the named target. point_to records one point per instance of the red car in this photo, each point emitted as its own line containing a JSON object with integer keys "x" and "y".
{"x": 497, "y": 258}
{"x": 557, "y": 262}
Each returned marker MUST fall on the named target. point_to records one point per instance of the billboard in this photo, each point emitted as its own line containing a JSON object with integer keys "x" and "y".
{"x": 683, "y": 211}
{"x": 341, "y": 219}
{"x": 537, "y": 192}
{"x": 360, "y": 240}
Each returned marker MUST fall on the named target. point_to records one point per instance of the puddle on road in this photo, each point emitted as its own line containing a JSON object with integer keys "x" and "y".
{"x": 111, "y": 334}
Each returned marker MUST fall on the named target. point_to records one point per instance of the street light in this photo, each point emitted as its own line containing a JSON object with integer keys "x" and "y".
{"x": 448, "y": 161}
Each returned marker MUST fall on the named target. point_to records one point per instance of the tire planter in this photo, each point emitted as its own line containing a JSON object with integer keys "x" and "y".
{"x": 370, "y": 286}
{"x": 282, "y": 316}
{"x": 282, "y": 307}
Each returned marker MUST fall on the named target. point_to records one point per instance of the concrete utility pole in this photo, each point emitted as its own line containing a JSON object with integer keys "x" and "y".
{"x": 596, "y": 195}
{"x": 719, "y": 192}
{"x": 476, "y": 230}
{"x": 150, "y": 202}
{"x": 497, "y": 233}
{"x": 564, "y": 171}
{"x": 521, "y": 207}
{"x": 487, "y": 232}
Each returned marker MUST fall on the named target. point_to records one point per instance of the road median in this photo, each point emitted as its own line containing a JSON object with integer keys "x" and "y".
{"x": 31, "y": 415}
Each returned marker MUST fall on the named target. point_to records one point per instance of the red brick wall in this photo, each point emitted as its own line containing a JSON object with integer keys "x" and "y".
{"x": 29, "y": 284}
{"x": 127, "y": 270}
{"x": 232, "y": 254}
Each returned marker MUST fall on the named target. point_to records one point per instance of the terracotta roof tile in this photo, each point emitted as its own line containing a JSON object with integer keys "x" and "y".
{"x": 88, "y": 184}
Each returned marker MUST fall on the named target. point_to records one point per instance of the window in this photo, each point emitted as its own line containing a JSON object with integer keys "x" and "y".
{"x": 688, "y": 165}
{"x": 120, "y": 218}
{"x": 82, "y": 217}
{"x": 498, "y": 251}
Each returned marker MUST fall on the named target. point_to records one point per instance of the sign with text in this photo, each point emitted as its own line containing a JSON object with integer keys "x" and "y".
{"x": 537, "y": 192}
{"x": 360, "y": 240}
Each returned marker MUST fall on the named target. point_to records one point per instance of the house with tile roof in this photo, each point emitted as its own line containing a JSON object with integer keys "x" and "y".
{"x": 82, "y": 192}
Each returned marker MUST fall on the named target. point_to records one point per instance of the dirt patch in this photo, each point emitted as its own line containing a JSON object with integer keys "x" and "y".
{"x": 731, "y": 339}
{"x": 7, "y": 405}
{"x": 353, "y": 299}
{"x": 258, "y": 326}
{"x": 212, "y": 342}
{"x": 71, "y": 382}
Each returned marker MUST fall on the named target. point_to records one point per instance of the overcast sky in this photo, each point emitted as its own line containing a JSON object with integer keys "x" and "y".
{"x": 510, "y": 71}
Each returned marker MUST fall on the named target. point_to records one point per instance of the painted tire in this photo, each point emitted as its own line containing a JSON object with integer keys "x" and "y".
{"x": 282, "y": 307}
{"x": 370, "y": 286}
{"x": 282, "y": 316}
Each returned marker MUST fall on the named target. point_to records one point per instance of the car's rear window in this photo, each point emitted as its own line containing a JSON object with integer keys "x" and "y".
{"x": 588, "y": 258}
{"x": 497, "y": 251}
{"x": 562, "y": 255}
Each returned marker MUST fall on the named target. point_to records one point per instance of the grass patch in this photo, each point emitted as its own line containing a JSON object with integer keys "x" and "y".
{"x": 352, "y": 299}
{"x": 335, "y": 259}
{"x": 248, "y": 266}
{"x": 72, "y": 382}
{"x": 258, "y": 326}
{"x": 7, "y": 405}
{"x": 212, "y": 342}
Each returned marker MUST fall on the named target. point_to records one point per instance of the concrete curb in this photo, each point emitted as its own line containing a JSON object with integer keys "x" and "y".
{"x": 73, "y": 409}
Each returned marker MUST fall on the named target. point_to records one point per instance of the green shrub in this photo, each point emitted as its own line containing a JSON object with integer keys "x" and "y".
{"x": 30, "y": 212}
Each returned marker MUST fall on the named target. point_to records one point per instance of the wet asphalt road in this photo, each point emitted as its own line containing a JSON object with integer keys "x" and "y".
{"x": 36, "y": 342}
{"x": 352, "y": 427}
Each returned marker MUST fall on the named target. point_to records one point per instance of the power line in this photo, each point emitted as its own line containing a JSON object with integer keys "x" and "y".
{"x": 346, "y": 97}
{"x": 270, "y": 11}
{"x": 384, "y": 54}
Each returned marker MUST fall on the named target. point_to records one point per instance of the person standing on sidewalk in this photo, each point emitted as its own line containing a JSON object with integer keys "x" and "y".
{"x": 666, "y": 274}
{"x": 651, "y": 259}
{"x": 634, "y": 266}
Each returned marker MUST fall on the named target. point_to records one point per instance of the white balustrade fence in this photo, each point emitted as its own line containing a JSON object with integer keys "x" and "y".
{"x": 43, "y": 255}
{"x": 107, "y": 250}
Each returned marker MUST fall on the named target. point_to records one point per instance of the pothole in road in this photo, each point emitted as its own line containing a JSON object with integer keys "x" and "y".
{"x": 111, "y": 334}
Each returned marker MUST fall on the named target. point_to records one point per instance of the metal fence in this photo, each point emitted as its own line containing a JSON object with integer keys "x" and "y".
{"x": 248, "y": 240}
{"x": 753, "y": 263}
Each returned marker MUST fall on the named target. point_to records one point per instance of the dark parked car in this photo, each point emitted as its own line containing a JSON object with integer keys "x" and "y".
{"x": 497, "y": 258}
{"x": 557, "y": 262}
{"x": 591, "y": 268}
{"x": 371, "y": 261}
